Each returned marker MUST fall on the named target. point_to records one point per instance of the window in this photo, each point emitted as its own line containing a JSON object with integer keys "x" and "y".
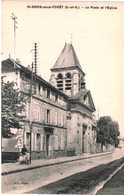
{"x": 38, "y": 141}
{"x": 82, "y": 83}
{"x": 38, "y": 136}
{"x": 44, "y": 91}
{"x": 48, "y": 116}
{"x": 48, "y": 93}
{"x": 68, "y": 81}
{"x": 56, "y": 97}
{"x": 39, "y": 89}
{"x": 60, "y": 82}
{"x": 27, "y": 140}
{"x": 56, "y": 117}
{"x": 62, "y": 142}
{"x": 28, "y": 136}
{"x": 84, "y": 132}
{"x": 56, "y": 142}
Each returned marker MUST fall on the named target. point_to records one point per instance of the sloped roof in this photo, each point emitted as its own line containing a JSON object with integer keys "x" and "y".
{"x": 80, "y": 96}
{"x": 8, "y": 66}
{"x": 67, "y": 58}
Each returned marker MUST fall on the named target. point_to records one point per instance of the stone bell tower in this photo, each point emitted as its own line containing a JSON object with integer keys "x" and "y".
{"x": 67, "y": 74}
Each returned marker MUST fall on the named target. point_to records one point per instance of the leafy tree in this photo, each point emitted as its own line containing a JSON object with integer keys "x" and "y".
{"x": 12, "y": 106}
{"x": 108, "y": 131}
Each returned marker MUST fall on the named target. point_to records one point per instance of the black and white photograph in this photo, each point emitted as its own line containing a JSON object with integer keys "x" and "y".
{"x": 62, "y": 93}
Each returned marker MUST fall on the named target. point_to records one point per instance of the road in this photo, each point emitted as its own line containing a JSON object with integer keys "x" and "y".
{"x": 86, "y": 182}
{"x": 32, "y": 179}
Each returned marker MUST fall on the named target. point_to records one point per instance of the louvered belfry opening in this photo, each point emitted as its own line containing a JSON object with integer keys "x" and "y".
{"x": 68, "y": 82}
{"x": 81, "y": 82}
{"x": 60, "y": 82}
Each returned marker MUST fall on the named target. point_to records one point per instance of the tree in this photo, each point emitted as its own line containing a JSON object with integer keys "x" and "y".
{"x": 12, "y": 105}
{"x": 108, "y": 131}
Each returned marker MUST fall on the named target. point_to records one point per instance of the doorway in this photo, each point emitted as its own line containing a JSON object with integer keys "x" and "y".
{"x": 48, "y": 133}
{"x": 47, "y": 145}
{"x": 83, "y": 137}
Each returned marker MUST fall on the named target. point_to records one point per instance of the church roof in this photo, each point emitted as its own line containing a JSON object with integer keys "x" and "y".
{"x": 81, "y": 96}
{"x": 67, "y": 58}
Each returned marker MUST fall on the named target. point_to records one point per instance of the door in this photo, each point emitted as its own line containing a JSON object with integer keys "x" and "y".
{"x": 83, "y": 144}
{"x": 47, "y": 145}
{"x": 48, "y": 133}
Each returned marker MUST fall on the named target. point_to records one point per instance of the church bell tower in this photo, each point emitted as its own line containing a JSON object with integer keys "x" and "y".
{"x": 67, "y": 74}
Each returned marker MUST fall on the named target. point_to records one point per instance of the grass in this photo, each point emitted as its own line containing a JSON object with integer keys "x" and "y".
{"x": 82, "y": 182}
{"x": 115, "y": 185}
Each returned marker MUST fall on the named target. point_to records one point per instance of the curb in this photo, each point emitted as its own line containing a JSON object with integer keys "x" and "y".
{"x": 51, "y": 164}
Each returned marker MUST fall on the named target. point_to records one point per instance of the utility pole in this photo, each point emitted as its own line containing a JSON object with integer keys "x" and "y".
{"x": 32, "y": 92}
{"x": 14, "y": 18}
{"x": 30, "y": 108}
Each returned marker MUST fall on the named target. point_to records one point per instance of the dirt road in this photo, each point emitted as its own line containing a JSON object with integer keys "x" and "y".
{"x": 80, "y": 183}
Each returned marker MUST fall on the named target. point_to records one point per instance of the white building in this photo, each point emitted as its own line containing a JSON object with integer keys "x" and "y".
{"x": 62, "y": 109}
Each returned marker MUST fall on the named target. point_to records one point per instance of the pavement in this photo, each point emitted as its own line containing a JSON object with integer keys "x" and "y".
{"x": 8, "y": 168}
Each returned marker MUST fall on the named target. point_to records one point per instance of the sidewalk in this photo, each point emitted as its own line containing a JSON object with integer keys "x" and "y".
{"x": 8, "y": 168}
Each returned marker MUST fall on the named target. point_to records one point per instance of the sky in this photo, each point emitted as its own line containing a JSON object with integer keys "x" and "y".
{"x": 97, "y": 30}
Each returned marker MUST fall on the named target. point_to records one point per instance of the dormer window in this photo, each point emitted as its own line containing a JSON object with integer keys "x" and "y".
{"x": 48, "y": 93}
{"x": 56, "y": 97}
{"x": 86, "y": 100}
{"x": 39, "y": 89}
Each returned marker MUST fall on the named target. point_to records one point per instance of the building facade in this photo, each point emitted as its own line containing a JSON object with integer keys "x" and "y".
{"x": 59, "y": 116}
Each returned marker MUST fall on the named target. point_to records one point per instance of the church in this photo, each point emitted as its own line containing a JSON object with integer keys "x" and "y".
{"x": 60, "y": 119}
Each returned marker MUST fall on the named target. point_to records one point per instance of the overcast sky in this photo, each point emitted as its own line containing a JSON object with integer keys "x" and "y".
{"x": 97, "y": 37}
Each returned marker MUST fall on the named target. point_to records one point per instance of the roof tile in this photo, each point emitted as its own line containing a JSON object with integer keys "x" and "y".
{"x": 67, "y": 58}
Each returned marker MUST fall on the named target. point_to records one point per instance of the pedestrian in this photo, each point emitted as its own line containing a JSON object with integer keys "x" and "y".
{"x": 24, "y": 150}
{"x": 24, "y": 157}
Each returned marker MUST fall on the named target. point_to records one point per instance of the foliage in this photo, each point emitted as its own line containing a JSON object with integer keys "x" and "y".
{"x": 108, "y": 131}
{"x": 12, "y": 106}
